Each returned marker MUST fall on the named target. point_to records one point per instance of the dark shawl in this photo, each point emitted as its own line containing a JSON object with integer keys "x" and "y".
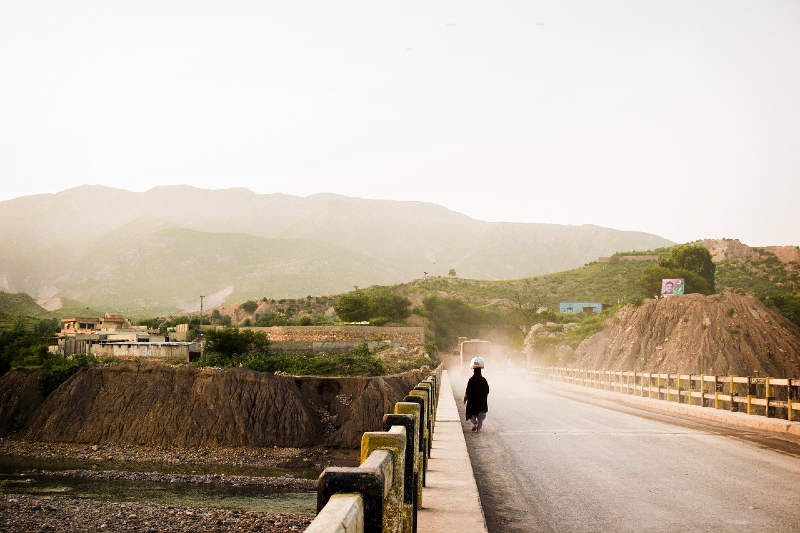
{"x": 477, "y": 391}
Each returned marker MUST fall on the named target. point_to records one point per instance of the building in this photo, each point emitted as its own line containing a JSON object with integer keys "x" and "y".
{"x": 581, "y": 307}
{"x": 114, "y": 336}
{"x": 168, "y": 352}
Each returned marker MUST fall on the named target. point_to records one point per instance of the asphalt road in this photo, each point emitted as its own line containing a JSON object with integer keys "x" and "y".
{"x": 549, "y": 461}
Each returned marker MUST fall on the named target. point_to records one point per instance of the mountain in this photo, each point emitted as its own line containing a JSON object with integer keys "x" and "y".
{"x": 162, "y": 248}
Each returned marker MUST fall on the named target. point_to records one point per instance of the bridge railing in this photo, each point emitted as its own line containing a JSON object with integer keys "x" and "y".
{"x": 384, "y": 492}
{"x": 766, "y": 396}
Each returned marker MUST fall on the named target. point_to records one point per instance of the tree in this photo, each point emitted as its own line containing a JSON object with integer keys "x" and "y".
{"x": 249, "y": 306}
{"x": 694, "y": 258}
{"x": 353, "y": 306}
{"x": 388, "y": 305}
{"x": 526, "y": 303}
{"x": 381, "y": 304}
{"x": 451, "y": 318}
{"x": 232, "y": 341}
{"x": 452, "y": 272}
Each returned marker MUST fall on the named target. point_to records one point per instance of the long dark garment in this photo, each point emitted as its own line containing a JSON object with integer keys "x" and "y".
{"x": 476, "y": 394}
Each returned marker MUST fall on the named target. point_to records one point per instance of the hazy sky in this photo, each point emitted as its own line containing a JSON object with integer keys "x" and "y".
{"x": 680, "y": 118}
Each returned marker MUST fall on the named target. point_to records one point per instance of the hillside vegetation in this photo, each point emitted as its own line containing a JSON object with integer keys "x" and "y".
{"x": 18, "y": 307}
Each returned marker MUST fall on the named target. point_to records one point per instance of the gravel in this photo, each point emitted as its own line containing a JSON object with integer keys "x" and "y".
{"x": 275, "y": 457}
{"x": 283, "y": 484}
{"x": 23, "y": 513}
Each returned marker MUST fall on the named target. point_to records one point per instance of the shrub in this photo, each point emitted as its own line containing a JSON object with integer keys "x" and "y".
{"x": 353, "y": 306}
{"x": 231, "y": 341}
{"x": 58, "y": 370}
{"x": 213, "y": 359}
{"x": 249, "y": 306}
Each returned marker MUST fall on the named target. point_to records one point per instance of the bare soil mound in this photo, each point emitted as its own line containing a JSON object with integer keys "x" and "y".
{"x": 152, "y": 404}
{"x": 723, "y": 334}
{"x": 19, "y": 398}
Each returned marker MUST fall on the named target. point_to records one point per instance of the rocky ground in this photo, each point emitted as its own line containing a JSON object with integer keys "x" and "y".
{"x": 22, "y": 513}
{"x": 282, "y": 483}
{"x": 274, "y": 457}
{"x": 19, "y": 512}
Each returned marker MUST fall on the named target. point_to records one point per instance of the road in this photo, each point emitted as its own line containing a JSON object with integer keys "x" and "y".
{"x": 548, "y": 460}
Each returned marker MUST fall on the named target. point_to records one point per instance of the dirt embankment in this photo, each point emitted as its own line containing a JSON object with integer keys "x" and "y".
{"x": 152, "y": 404}
{"x": 723, "y": 334}
{"x": 19, "y": 398}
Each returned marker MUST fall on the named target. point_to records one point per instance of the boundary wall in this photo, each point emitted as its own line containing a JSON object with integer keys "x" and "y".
{"x": 766, "y": 396}
{"x": 384, "y": 493}
{"x": 353, "y": 333}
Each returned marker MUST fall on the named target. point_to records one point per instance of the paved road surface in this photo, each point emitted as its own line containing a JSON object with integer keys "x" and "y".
{"x": 548, "y": 461}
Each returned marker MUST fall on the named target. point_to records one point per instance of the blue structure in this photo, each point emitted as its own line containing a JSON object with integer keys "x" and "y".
{"x": 580, "y": 307}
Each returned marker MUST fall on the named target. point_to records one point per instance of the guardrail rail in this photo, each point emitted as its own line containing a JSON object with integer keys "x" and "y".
{"x": 766, "y": 396}
{"x": 384, "y": 492}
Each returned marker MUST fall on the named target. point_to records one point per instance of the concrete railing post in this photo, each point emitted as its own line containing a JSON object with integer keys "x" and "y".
{"x": 383, "y": 494}
{"x": 343, "y": 513}
{"x": 409, "y": 488}
{"x": 419, "y": 398}
{"x": 414, "y": 408}
{"x": 394, "y": 441}
{"x": 371, "y": 480}
{"x": 426, "y": 394}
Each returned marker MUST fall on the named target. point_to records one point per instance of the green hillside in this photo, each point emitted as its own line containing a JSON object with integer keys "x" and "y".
{"x": 595, "y": 282}
{"x": 19, "y": 307}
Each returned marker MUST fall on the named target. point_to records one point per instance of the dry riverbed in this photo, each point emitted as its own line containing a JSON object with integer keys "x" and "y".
{"x": 215, "y": 467}
{"x": 311, "y": 458}
{"x": 24, "y": 513}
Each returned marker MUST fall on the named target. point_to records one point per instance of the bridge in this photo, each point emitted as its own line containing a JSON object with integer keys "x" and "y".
{"x": 568, "y": 450}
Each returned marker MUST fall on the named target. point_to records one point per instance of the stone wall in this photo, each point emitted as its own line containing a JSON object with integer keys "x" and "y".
{"x": 151, "y": 351}
{"x": 336, "y": 334}
{"x": 306, "y": 347}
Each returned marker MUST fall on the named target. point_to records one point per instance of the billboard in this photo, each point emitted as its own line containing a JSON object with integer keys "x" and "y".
{"x": 671, "y": 286}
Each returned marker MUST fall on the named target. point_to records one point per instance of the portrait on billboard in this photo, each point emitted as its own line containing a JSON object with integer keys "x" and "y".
{"x": 671, "y": 286}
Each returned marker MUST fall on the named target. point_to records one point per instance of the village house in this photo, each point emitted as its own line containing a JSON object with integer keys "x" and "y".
{"x": 113, "y": 336}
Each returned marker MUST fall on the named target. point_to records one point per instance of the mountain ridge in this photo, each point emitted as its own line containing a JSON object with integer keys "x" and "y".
{"x": 98, "y": 242}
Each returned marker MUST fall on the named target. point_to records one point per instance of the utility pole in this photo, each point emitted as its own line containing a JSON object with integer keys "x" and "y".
{"x": 201, "y": 308}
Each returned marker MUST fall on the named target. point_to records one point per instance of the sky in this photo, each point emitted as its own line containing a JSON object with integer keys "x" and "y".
{"x": 679, "y": 118}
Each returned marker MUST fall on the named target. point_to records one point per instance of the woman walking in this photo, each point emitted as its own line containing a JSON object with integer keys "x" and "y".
{"x": 476, "y": 395}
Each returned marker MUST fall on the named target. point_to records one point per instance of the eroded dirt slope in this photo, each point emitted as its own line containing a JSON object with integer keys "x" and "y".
{"x": 19, "y": 398}
{"x": 160, "y": 405}
{"x": 724, "y": 334}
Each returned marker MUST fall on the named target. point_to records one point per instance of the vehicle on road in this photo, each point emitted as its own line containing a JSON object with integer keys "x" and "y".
{"x": 474, "y": 348}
